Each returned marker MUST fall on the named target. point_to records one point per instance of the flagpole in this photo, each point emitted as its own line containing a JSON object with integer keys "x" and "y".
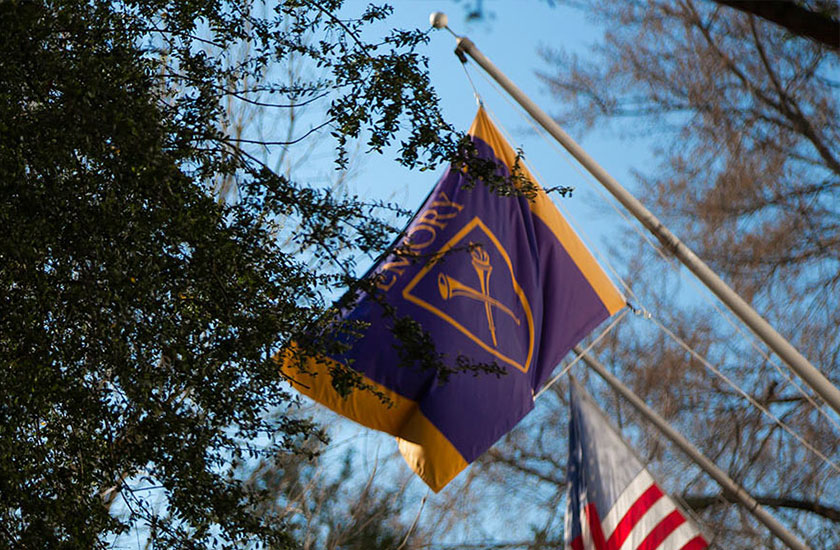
{"x": 729, "y": 486}
{"x": 761, "y": 328}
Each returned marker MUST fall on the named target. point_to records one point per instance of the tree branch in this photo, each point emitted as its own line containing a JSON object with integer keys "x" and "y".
{"x": 699, "y": 502}
{"x": 798, "y": 20}
{"x": 497, "y": 456}
{"x": 801, "y": 123}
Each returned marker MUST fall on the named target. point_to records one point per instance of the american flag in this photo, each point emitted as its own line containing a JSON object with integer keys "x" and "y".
{"x": 613, "y": 503}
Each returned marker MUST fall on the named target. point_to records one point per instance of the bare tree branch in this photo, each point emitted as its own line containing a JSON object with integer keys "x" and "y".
{"x": 795, "y": 18}
{"x": 699, "y": 502}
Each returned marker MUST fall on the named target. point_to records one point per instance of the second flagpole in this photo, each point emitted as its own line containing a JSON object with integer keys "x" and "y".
{"x": 729, "y": 486}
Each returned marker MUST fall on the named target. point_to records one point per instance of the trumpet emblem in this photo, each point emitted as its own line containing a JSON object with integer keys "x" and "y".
{"x": 451, "y": 288}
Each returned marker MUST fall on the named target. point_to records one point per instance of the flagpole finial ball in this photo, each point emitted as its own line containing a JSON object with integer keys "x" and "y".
{"x": 438, "y": 20}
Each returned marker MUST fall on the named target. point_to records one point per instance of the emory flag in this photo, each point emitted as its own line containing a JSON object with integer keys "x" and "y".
{"x": 493, "y": 279}
{"x": 612, "y": 501}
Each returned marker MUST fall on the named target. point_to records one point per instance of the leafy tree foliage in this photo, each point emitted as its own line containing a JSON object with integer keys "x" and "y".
{"x": 138, "y": 312}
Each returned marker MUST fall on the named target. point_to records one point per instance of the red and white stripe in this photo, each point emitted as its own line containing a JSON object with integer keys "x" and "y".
{"x": 642, "y": 518}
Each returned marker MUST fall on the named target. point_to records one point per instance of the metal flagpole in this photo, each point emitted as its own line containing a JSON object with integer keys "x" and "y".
{"x": 761, "y": 328}
{"x": 729, "y": 486}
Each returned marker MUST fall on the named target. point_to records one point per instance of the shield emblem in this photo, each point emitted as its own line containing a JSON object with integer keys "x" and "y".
{"x": 470, "y": 284}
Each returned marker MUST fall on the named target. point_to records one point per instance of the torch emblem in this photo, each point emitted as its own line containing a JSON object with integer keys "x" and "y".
{"x": 452, "y": 288}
